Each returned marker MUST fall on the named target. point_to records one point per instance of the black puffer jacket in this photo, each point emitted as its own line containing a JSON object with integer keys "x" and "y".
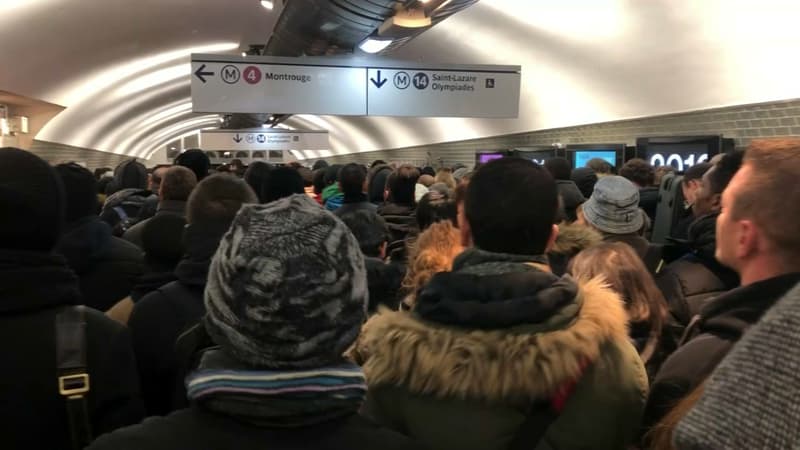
{"x": 196, "y": 428}
{"x": 162, "y": 315}
{"x": 34, "y": 288}
{"x": 648, "y": 201}
{"x": 721, "y": 323}
{"x": 107, "y": 267}
{"x": 691, "y": 281}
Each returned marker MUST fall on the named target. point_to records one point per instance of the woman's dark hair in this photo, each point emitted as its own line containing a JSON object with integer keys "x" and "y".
{"x": 319, "y": 181}
{"x": 376, "y": 183}
{"x": 256, "y": 176}
{"x": 435, "y": 207}
{"x": 283, "y": 182}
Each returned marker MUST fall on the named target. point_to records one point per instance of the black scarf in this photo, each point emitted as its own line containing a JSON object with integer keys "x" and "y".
{"x": 35, "y": 280}
{"x": 494, "y": 291}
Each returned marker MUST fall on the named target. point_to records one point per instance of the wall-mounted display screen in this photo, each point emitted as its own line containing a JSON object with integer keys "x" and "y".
{"x": 584, "y": 156}
{"x": 580, "y": 154}
{"x": 680, "y": 152}
{"x": 484, "y": 158}
{"x": 537, "y": 155}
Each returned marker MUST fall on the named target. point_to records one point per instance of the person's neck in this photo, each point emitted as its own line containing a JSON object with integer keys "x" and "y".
{"x": 763, "y": 268}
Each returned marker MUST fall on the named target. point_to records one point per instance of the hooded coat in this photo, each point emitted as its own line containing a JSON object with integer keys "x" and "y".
{"x": 571, "y": 197}
{"x": 127, "y": 195}
{"x": 501, "y": 354}
{"x": 107, "y": 267}
{"x": 572, "y": 239}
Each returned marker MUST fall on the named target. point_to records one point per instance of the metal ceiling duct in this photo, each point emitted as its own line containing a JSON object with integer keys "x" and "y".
{"x": 334, "y": 27}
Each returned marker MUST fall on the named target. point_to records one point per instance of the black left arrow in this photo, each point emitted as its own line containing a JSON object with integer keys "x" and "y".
{"x": 201, "y": 75}
{"x": 237, "y": 138}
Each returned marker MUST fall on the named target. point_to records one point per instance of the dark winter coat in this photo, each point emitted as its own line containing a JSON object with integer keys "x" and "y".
{"x": 384, "y": 280}
{"x": 162, "y": 315}
{"x": 34, "y": 288}
{"x": 401, "y": 220}
{"x": 571, "y": 197}
{"x": 648, "y": 201}
{"x": 500, "y": 354}
{"x": 121, "y": 210}
{"x": 709, "y": 338}
{"x": 691, "y": 281}
{"x": 107, "y": 266}
{"x": 649, "y": 253}
{"x": 355, "y": 204}
{"x": 174, "y": 207}
{"x": 196, "y": 428}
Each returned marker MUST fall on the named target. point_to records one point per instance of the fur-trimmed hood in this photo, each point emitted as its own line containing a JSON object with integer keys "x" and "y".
{"x": 492, "y": 365}
{"x": 573, "y": 238}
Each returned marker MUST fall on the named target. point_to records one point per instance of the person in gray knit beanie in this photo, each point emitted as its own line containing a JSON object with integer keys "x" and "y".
{"x": 751, "y": 399}
{"x": 287, "y": 288}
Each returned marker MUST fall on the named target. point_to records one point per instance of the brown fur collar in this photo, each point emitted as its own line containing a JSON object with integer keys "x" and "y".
{"x": 573, "y": 237}
{"x": 445, "y": 362}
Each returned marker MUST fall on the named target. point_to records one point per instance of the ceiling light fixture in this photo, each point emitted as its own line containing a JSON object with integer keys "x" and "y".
{"x": 244, "y": 54}
{"x": 371, "y": 45}
{"x": 268, "y": 4}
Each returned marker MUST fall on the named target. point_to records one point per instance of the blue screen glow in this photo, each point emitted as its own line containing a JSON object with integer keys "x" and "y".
{"x": 583, "y": 156}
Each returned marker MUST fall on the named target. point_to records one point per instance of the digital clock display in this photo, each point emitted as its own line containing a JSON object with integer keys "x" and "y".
{"x": 679, "y": 156}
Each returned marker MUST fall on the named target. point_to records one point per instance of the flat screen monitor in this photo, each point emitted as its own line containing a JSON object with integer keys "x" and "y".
{"x": 485, "y": 157}
{"x": 536, "y": 154}
{"x": 581, "y": 154}
{"x": 680, "y": 152}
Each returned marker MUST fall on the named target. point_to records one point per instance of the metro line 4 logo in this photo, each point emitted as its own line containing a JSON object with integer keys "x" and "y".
{"x": 252, "y": 75}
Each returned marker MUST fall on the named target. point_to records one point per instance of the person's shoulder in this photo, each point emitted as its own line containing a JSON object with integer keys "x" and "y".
{"x": 122, "y": 249}
{"x": 365, "y": 434}
{"x": 174, "y": 432}
{"x": 100, "y": 326}
{"x": 694, "y": 361}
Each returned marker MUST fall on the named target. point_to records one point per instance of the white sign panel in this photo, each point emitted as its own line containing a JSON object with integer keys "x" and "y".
{"x": 352, "y": 86}
{"x": 265, "y": 88}
{"x": 443, "y": 93}
{"x": 264, "y": 139}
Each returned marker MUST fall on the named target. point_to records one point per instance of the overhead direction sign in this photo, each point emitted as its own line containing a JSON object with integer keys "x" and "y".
{"x": 352, "y": 86}
{"x": 264, "y": 139}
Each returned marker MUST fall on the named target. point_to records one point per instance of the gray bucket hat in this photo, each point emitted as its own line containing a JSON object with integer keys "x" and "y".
{"x": 614, "y": 206}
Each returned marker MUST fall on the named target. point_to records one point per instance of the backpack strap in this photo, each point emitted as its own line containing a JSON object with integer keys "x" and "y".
{"x": 73, "y": 377}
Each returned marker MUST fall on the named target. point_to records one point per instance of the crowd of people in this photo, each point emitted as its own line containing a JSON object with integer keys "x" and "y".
{"x": 507, "y": 306}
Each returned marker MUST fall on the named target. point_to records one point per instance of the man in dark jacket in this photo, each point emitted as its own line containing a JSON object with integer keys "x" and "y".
{"x": 690, "y": 281}
{"x": 690, "y": 185}
{"x": 384, "y": 278}
{"x": 107, "y": 266}
{"x": 400, "y": 208}
{"x": 353, "y": 183}
{"x": 642, "y": 174}
{"x": 126, "y": 196}
{"x": 286, "y": 296}
{"x": 161, "y": 316}
{"x": 571, "y": 196}
{"x": 173, "y": 192}
{"x": 36, "y": 285}
{"x": 500, "y": 353}
{"x": 757, "y": 238}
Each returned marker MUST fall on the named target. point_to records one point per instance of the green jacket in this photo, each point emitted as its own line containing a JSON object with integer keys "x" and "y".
{"x": 462, "y": 389}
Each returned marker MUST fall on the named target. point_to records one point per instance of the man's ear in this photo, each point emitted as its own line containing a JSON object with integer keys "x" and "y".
{"x": 552, "y": 240}
{"x": 384, "y": 246}
{"x": 748, "y": 240}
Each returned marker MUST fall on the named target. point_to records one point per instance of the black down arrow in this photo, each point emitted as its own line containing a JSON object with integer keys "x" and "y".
{"x": 237, "y": 138}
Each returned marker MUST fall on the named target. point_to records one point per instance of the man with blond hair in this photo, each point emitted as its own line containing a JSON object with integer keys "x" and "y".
{"x": 756, "y": 237}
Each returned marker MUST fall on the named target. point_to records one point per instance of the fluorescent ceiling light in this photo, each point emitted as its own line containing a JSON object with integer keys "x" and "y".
{"x": 374, "y": 45}
{"x": 267, "y": 4}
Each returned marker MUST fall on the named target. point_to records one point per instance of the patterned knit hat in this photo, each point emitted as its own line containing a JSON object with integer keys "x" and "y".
{"x": 287, "y": 288}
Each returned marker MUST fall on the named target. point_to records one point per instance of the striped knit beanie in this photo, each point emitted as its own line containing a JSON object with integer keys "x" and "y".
{"x": 287, "y": 288}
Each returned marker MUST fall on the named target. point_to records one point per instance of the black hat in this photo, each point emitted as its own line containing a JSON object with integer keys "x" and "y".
{"x": 80, "y": 189}
{"x": 196, "y": 160}
{"x": 31, "y": 202}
